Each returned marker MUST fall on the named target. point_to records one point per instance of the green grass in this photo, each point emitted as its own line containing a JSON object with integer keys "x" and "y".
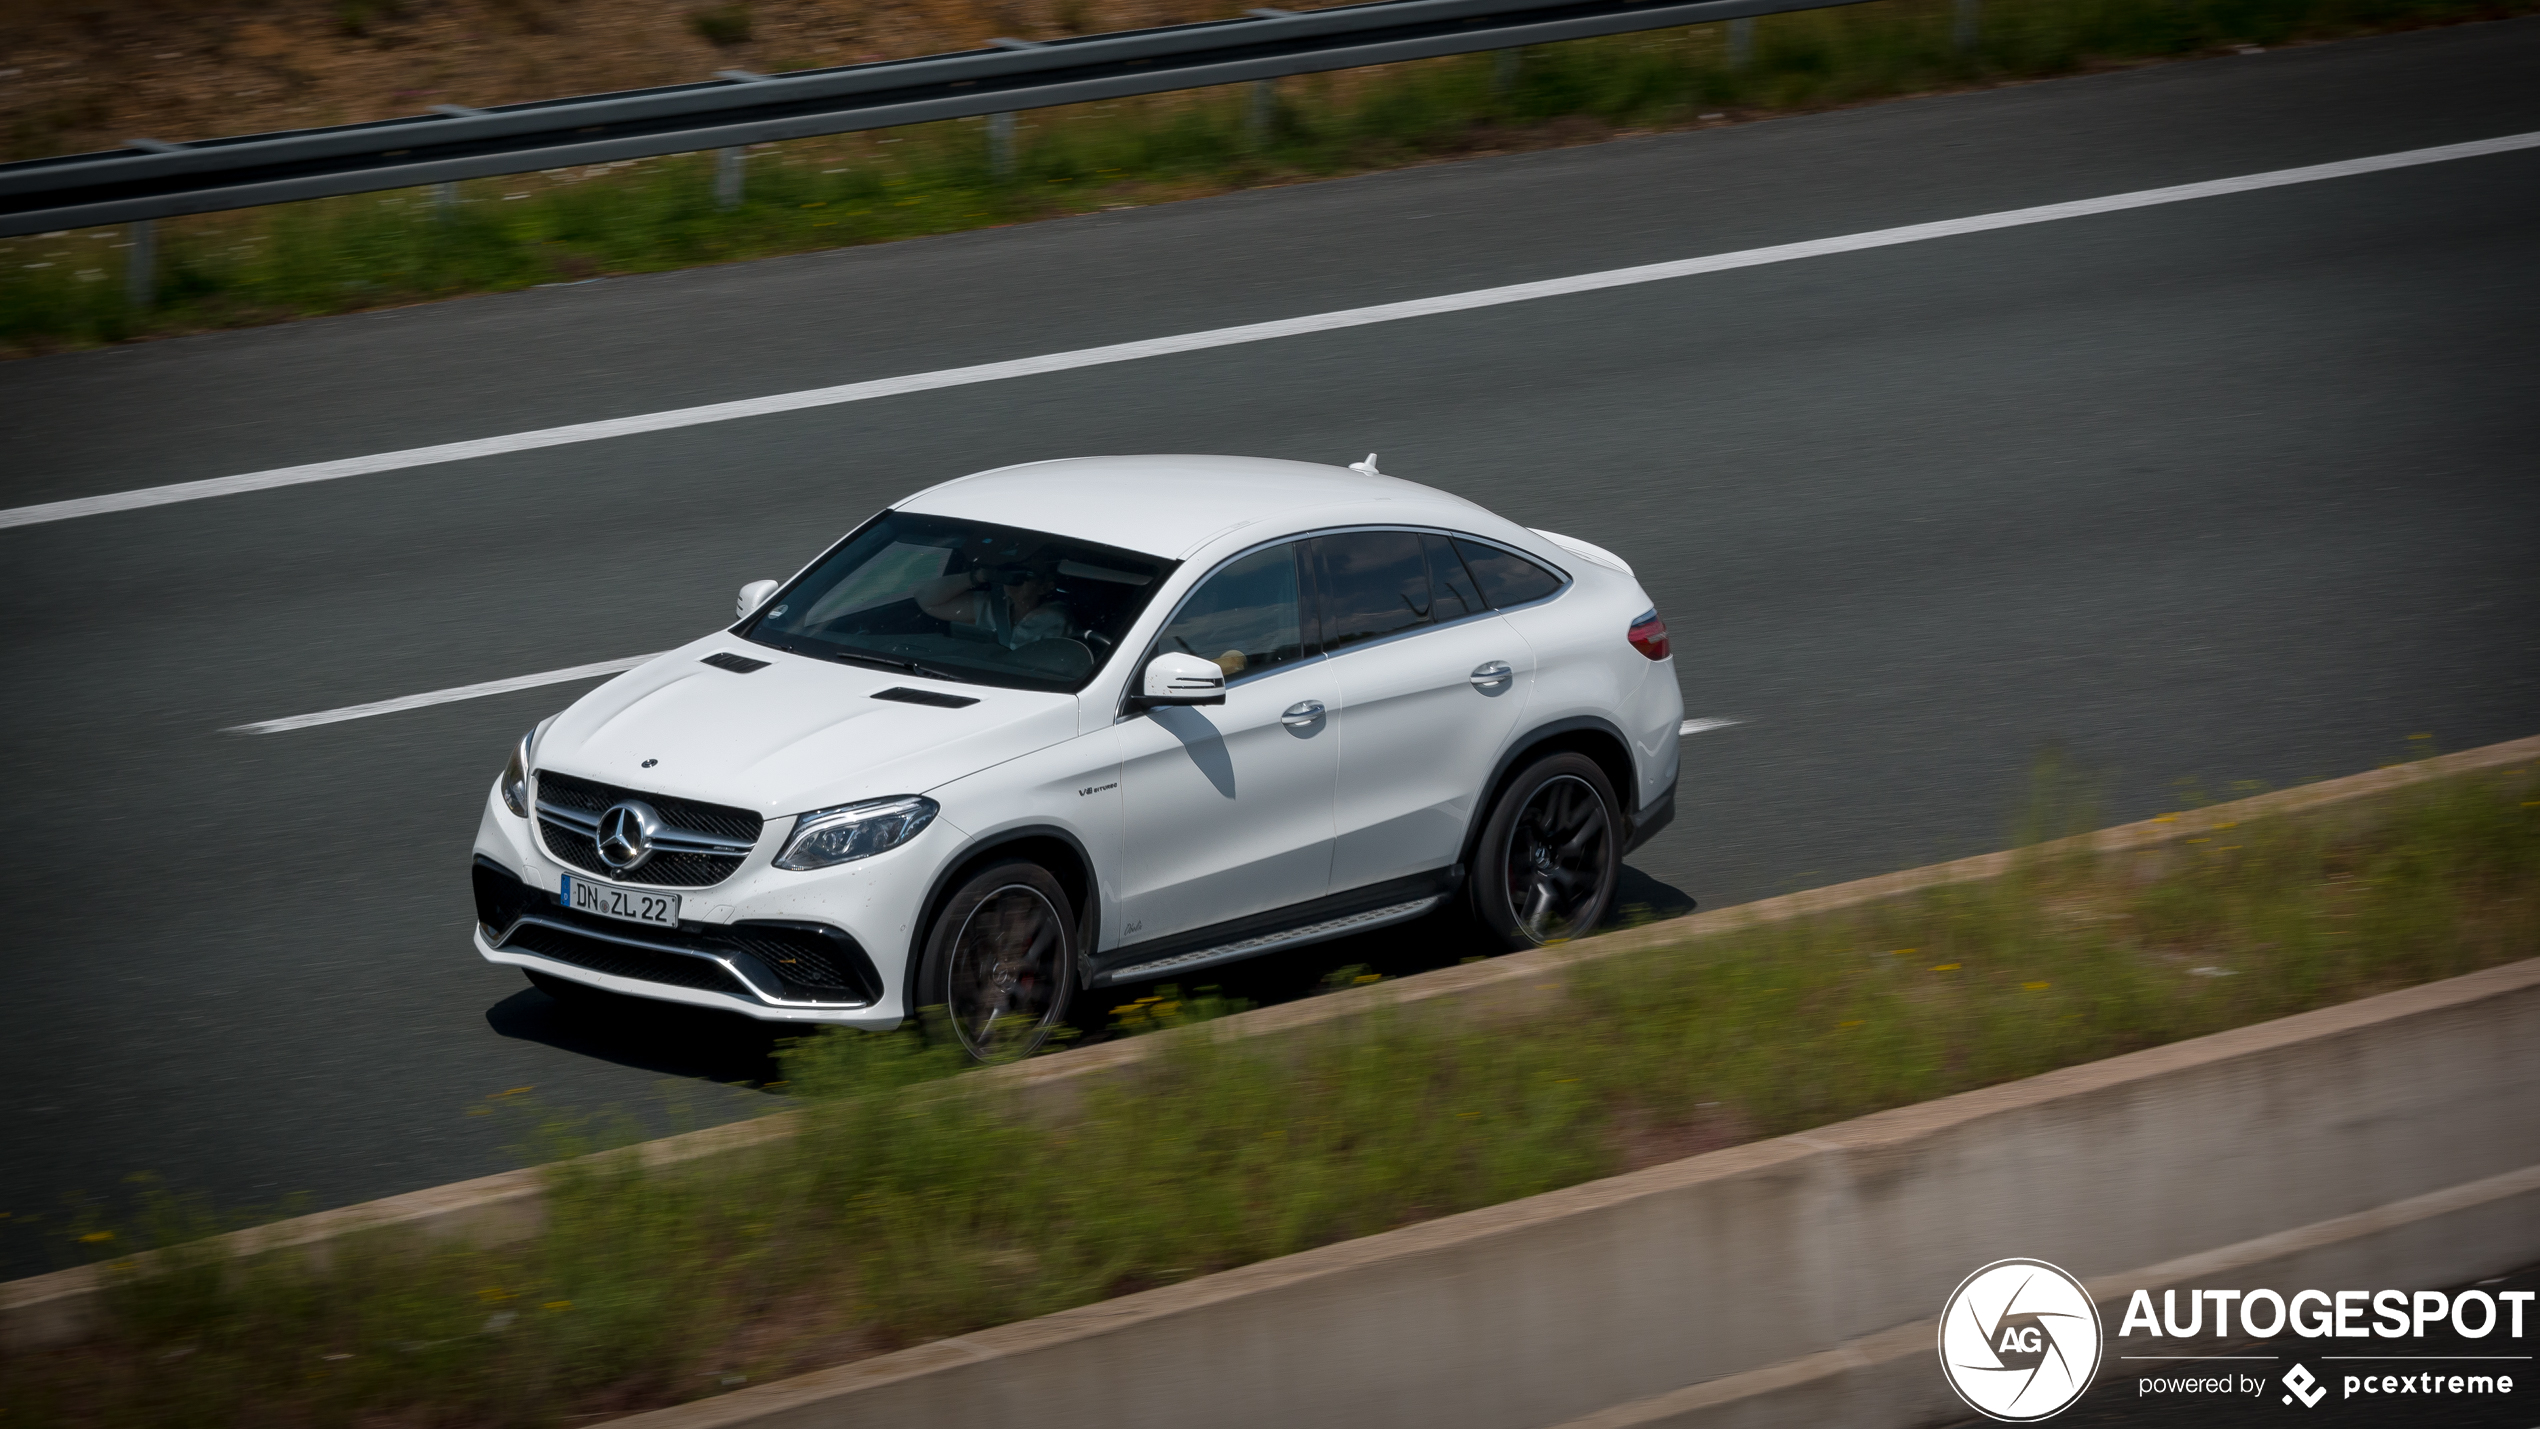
{"x": 338, "y": 255}
{"x": 897, "y": 1217}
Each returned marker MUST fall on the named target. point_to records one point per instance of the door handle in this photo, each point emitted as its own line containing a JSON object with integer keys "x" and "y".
{"x": 1303, "y": 712}
{"x": 1495, "y": 672}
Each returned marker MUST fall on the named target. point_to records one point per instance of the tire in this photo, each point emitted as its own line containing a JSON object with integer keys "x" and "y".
{"x": 1550, "y": 856}
{"x": 1000, "y": 961}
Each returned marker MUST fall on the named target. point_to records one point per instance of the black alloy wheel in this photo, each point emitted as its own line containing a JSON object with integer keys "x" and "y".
{"x": 1001, "y": 961}
{"x": 1551, "y": 854}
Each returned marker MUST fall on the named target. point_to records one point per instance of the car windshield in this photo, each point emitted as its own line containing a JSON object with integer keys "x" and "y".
{"x": 964, "y": 600}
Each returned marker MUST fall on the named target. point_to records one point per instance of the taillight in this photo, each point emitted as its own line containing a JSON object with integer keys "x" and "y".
{"x": 1649, "y": 635}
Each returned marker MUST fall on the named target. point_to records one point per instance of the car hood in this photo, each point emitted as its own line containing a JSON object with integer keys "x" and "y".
{"x": 800, "y": 734}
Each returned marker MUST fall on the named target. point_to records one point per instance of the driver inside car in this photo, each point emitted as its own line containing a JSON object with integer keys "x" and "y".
{"x": 1008, "y": 603}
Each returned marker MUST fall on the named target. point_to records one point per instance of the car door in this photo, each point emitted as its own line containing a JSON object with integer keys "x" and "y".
{"x": 1431, "y": 687}
{"x": 1227, "y": 809}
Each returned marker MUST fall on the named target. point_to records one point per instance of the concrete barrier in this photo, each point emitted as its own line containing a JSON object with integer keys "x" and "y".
{"x": 1889, "y": 1379}
{"x": 2392, "y": 1141}
{"x": 63, "y": 1307}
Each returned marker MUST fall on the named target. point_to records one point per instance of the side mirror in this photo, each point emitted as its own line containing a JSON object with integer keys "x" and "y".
{"x": 753, "y": 596}
{"x": 1180, "y": 680}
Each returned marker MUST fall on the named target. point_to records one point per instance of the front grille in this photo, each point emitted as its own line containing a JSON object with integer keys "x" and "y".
{"x": 662, "y": 870}
{"x": 619, "y": 960}
{"x": 562, "y": 796}
{"x": 593, "y": 798}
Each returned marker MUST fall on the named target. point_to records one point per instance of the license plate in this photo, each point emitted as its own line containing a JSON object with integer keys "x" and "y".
{"x": 632, "y": 905}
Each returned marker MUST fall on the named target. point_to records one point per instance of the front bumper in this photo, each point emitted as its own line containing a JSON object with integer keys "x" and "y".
{"x": 775, "y": 971}
{"x": 1657, "y": 814}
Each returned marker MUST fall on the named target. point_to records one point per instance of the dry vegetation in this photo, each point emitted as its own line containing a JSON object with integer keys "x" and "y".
{"x": 81, "y": 75}
{"x": 897, "y": 1214}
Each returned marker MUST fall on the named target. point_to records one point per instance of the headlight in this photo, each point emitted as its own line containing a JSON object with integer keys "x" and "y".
{"x": 826, "y": 837}
{"x": 515, "y": 784}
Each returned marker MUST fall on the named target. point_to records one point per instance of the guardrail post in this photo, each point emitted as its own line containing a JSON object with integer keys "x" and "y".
{"x": 1964, "y": 24}
{"x": 445, "y": 199}
{"x": 1265, "y": 110}
{"x": 1741, "y": 42}
{"x": 1001, "y": 145}
{"x": 141, "y": 264}
{"x": 729, "y": 167}
{"x": 1503, "y": 71}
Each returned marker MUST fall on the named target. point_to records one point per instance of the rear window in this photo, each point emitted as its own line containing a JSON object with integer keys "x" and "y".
{"x": 1506, "y": 578}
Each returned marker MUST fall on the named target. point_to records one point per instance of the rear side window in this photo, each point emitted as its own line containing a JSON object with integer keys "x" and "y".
{"x": 1506, "y": 578}
{"x": 1374, "y": 584}
{"x": 1449, "y": 583}
{"x": 1244, "y": 617}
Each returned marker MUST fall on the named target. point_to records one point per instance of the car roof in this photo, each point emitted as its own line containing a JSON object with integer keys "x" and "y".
{"x": 1172, "y": 506}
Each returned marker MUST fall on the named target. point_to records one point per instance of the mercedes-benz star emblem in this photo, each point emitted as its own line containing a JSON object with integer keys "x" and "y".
{"x": 626, "y": 835}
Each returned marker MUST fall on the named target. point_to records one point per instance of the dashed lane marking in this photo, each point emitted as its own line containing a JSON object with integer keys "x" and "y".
{"x": 557, "y": 677}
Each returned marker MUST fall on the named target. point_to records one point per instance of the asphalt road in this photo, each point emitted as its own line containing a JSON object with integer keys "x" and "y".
{"x": 2238, "y": 489}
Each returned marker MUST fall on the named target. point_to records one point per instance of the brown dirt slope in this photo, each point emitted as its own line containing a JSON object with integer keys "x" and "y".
{"x": 80, "y": 75}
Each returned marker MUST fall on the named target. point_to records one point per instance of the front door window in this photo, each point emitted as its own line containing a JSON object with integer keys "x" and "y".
{"x": 1245, "y": 617}
{"x": 1228, "y": 808}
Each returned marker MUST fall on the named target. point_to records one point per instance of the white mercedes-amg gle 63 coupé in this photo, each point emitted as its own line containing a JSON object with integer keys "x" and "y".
{"x": 1077, "y": 723}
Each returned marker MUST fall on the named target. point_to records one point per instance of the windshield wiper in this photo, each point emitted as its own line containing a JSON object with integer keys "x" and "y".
{"x": 893, "y": 662}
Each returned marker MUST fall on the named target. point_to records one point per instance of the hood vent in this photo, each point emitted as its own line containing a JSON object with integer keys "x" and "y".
{"x": 907, "y": 696}
{"x": 737, "y": 664}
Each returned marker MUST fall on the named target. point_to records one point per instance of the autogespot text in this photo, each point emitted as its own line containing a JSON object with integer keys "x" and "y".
{"x": 2323, "y": 1314}
{"x": 2331, "y": 1315}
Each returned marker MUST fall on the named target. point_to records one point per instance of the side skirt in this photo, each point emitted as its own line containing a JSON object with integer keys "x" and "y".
{"x": 1396, "y": 900}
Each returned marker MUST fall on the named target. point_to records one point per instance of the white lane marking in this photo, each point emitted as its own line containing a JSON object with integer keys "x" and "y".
{"x": 1233, "y": 336}
{"x": 578, "y": 672}
{"x": 439, "y": 697}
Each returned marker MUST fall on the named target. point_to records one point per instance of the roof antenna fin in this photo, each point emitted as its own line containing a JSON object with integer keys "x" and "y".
{"x": 1368, "y": 466}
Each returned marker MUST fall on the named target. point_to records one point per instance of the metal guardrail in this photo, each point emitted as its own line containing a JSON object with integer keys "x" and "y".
{"x": 149, "y": 179}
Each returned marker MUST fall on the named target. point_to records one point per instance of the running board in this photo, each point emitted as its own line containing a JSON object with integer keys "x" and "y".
{"x": 1269, "y": 942}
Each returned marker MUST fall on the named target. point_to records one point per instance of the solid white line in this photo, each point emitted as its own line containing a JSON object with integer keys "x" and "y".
{"x": 1234, "y": 336}
{"x": 1698, "y": 726}
{"x": 438, "y": 697}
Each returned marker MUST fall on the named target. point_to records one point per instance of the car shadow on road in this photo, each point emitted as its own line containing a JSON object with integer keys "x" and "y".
{"x": 1639, "y": 898}
{"x": 660, "y": 1037}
